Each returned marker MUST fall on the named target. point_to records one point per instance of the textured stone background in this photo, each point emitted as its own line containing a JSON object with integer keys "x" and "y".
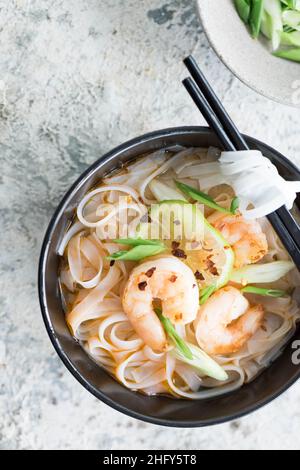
{"x": 78, "y": 77}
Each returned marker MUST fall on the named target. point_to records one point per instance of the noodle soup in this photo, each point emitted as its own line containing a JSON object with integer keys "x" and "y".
{"x": 168, "y": 287}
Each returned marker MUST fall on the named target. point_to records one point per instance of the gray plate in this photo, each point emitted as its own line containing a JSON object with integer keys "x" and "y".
{"x": 250, "y": 60}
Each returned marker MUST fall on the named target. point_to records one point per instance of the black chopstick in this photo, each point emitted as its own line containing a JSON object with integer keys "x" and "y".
{"x": 231, "y": 130}
{"x": 231, "y": 139}
{"x": 207, "y": 113}
{"x": 233, "y": 133}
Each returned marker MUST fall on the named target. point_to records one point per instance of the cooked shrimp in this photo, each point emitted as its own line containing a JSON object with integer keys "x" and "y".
{"x": 166, "y": 279}
{"x": 226, "y": 322}
{"x": 246, "y": 237}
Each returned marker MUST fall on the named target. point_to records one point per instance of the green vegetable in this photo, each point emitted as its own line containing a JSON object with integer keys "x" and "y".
{"x": 137, "y": 253}
{"x": 190, "y": 354}
{"x": 205, "y": 198}
{"x": 201, "y": 361}
{"x": 265, "y": 292}
{"x": 287, "y": 29}
{"x": 234, "y": 205}
{"x": 180, "y": 344}
{"x": 266, "y": 25}
{"x": 292, "y": 19}
{"x": 206, "y": 293}
{"x": 292, "y": 4}
{"x": 291, "y": 39}
{"x": 255, "y": 17}
{"x": 273, "y": 14}
{"x": 278, "y": 20}
{"x": 262, "y": 273}
{"x": 243, "y": 9}
{"x": 289, "y": 54}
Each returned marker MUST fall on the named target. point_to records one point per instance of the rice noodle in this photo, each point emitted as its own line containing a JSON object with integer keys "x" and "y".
{"x": 75, "y": 228}
{"x": 171, "y": 163}
{"x": 104, "y": 189}
{"x": 77, "y": 249}
{"x": 245, "y": 170}
{"x": 93, "y": 286}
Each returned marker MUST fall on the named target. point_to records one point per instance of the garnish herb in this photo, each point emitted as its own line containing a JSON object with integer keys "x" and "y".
{"x": 255, "y": 17}
{"x": 174, "y": 336}
{"x": 206, "y": 199}
{"x": 206, "y": 293}
{"x": 234, "y": 205}
{"x": 137, "y": 253}
{"x": 289, "y": 54}
{"x": 243, "y": 9}
{"x": 204, "y": 363}
{"x": 265, "y": 292}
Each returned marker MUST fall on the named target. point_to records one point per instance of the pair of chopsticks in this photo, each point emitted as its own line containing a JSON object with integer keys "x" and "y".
{"x": 229, "y": 136}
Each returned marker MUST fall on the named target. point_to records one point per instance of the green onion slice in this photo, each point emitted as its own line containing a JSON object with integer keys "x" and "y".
{"x": 172, "y": 333}
{"x": 262, "y": 291}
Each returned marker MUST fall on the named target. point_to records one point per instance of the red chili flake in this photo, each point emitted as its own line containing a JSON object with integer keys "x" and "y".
{"x": 150, "y": 272}
{"x": 112, "y": 263}
{"x": 173, "y": 278}
{"x": 179, "y": 253}
{"x": 175, "y": 245}
{"x": 199, "y": 276}
{"x": 142, "y": 285}
{"x": 211, "y": 267}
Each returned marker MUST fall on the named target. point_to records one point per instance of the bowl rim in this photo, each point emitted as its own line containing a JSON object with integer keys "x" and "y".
{"x": 148, "y": 137}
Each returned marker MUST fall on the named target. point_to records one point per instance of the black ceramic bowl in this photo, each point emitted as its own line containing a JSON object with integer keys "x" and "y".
{"x": 158, "y": 410}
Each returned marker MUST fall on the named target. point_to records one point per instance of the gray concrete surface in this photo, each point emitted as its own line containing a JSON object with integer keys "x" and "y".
{"x": 78, "y": 77}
